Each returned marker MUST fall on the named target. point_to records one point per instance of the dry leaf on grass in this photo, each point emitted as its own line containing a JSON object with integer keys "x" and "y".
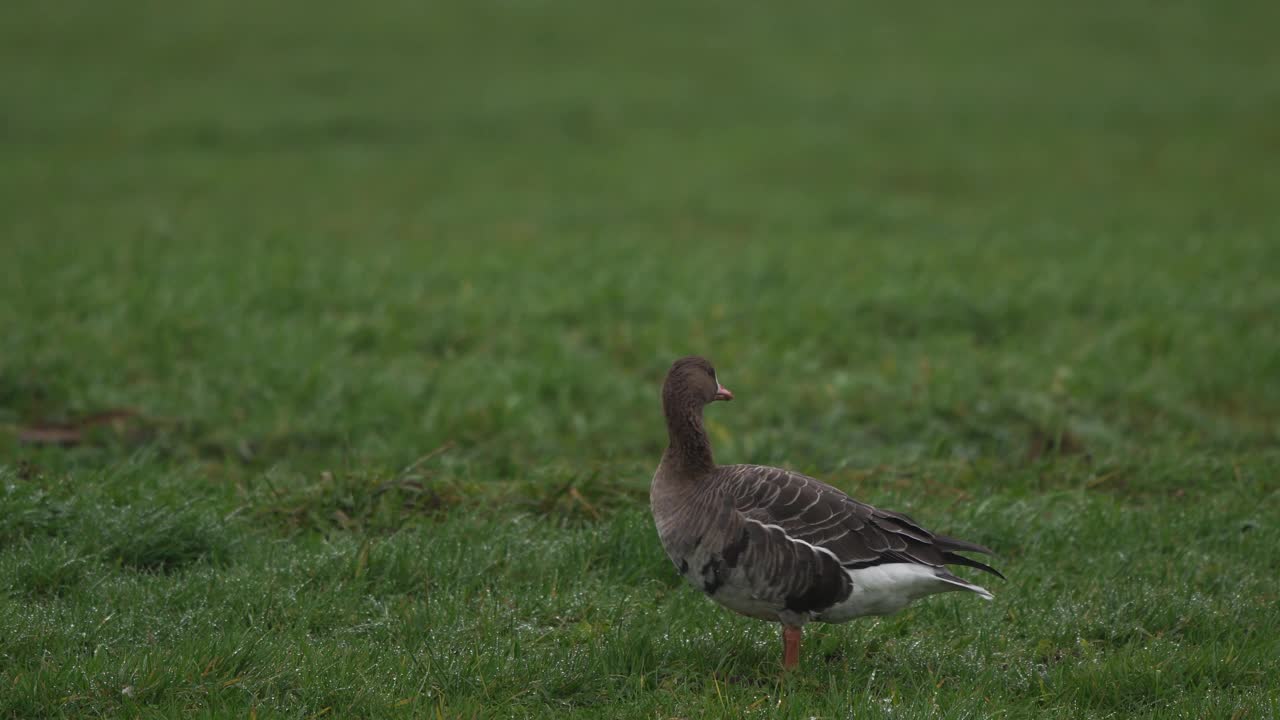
{"x": 1043, "y": 443}
{"x": 73, "y": 432}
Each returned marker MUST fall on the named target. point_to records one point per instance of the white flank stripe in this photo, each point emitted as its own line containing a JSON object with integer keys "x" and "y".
{"x": 798, "y": 541}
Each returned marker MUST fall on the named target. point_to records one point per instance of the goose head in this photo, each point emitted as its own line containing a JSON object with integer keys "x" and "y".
{"x": 692, "y": 384}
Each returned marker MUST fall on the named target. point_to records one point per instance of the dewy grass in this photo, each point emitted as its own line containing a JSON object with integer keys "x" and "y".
{"x": 372, "y": 307}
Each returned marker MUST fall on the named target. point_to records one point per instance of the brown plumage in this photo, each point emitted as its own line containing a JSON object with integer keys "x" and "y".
{"x": 777, "y": 545}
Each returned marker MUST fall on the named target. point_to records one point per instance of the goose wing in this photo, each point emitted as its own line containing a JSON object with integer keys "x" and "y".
{"x": 808, "y": 513}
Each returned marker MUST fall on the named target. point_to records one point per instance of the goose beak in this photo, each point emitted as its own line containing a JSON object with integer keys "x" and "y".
{"x": 722, "y": 393}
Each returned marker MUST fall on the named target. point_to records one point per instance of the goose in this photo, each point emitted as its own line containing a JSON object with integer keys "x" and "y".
{"x": 776, "y": 545}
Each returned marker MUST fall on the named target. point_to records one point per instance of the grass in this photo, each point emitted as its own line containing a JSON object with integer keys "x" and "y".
{"x": 378, "y": 303}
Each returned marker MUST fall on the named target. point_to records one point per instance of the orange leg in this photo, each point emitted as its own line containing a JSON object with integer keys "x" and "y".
{"x": 791, "y": 647}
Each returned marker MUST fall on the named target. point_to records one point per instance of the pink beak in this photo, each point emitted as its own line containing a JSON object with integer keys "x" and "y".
{"x": 722, "y": 392}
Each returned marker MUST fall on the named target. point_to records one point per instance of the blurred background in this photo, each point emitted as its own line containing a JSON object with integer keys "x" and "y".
{"x": 331, "y": 338}
{"x": 304, "y": 234}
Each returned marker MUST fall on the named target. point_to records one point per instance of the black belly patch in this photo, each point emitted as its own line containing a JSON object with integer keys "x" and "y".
{"x": 735, "y": 549}
{"x": 829, "y": 585}
{"x": 684, "y": 566}
{"x": 712, "y": 576}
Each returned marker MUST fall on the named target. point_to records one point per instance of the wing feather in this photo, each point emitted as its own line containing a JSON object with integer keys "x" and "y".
{"x": 810, "y": 512}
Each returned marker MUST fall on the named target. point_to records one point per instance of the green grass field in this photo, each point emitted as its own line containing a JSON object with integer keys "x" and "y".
{"x": 379, "y": 302}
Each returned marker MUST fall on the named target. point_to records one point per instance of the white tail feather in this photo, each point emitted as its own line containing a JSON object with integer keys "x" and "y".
{"x": 977, "y": 589}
